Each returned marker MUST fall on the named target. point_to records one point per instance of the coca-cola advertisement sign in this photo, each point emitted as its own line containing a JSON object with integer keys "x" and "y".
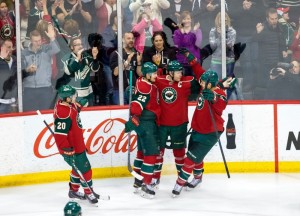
{"x": 105, "y": 137}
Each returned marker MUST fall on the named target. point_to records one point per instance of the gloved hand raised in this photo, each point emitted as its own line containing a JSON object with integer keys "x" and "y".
{"x": 83, "y": 102}
{"x": 69, "y": 155}
{"x": 227, "y": 82}
{"x": 208, "y": 95}
{"x": 190, "y": 57}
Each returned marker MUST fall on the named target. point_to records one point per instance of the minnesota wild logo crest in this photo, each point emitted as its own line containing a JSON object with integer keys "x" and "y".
{"x": 78, "y": 119}
{"x": 200, "y": 102}
{"x": 169, "y": 94}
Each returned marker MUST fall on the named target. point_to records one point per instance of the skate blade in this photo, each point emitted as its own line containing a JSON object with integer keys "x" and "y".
{"x": 156, "y": 187}
{"x": 188, "y": 189}
{"x": 137, "y": 190}
{"x": 174, "y": 195}
{"x": 146, "y": 196}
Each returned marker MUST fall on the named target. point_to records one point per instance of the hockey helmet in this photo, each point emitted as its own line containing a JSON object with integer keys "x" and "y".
{"x": 66, "y": 91}
{"x": 174, "y": 66}
{"x": 148, "y": 67}
{"x": 72, "y": 209}
{"x": 211, "y": 77}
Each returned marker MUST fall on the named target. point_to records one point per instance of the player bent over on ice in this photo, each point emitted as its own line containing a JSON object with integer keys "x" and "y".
{"x": 203, "y": 136}
{"x": 145, "y": 111}
{"x": 174, "y": 91}
{"x": 69, "y": 139}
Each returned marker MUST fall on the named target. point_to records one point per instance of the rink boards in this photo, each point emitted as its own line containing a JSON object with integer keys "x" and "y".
{"x": 267, "y": 140}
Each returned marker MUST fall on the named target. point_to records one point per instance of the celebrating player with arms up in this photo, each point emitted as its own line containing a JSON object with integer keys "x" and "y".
{"x": 210, "y": 105}
{"x": 69, "y": 139}
{"x": 174, "y": 91}
{"x": 145, "y": 112}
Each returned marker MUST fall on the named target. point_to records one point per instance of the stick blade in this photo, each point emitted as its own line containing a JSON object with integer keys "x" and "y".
{"x": 136, "y": 175}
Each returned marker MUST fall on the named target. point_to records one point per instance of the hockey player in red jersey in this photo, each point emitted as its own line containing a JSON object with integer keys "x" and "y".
{"x": 174, "y": 91}
{"x": 69, "y": 139}
{"x": 203, "y": 136}
{"x": 145, "y": 112}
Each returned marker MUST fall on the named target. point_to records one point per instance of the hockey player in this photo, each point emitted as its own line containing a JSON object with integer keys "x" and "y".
{"x": 72, "y": 209}
{"x": 203, "y": 136}
{"x": 174, "y": 91}
{"x": 145, "y": 112}
{"x": 69, "y": 139}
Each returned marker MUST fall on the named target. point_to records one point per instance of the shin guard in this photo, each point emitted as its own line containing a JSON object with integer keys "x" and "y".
{"x": 138, "y": 162}
{"x": 148, "y": 168}
{"x": 179, "y": 155}
{"x": 186, "y": 171}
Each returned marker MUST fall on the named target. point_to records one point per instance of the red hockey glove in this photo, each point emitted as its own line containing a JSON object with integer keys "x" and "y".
{"x": 69, "y": 155}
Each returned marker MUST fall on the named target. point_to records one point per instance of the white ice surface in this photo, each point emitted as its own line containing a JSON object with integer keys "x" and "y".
{"x": 242, "y": 194}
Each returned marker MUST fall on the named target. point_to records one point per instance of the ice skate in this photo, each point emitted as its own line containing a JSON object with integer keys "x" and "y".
{"x": 176, "y": 191}
{"x": 76, "y": 195}
{"x": 155, "y": 184}
{"x": 91, "y": 198}
{"x": 137, "y": 185}
{"x": 194, "y": 183}
{"x": 147, "y": 191}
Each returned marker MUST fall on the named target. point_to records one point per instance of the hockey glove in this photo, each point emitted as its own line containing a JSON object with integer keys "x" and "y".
{"x": 134, "y": 124}
{"x": 208, "y": 95}
{"x": 83, "y": 102}
{"x": 183, "y": 50}
{"x": 190, "y": 57}
{"x": 227, "y": 82}
{"x": 69, "y": 155}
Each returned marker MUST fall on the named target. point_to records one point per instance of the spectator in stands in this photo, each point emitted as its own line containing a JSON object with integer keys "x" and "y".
{"x": 35, "y": 14}
{"x": 42, "y": 27}
{"x": 295, "y": 46}
{"x": 97, "y": 77}
{"x": 36, "y": 64}
{"x": 78, "y": 65}
{"x": 8, "y": 76}
{"x": 189, "y": 36}
{"x": 245, "y": 15}
{"x": 132, "y": 63}
{"x": 138, "y": 6}
{"x": 78, "y": 11}
{"x": 104, "y": 8}
{"x": 216, "y": 45}
{"x": 287, "y": 29}
{"x": 288, "y": 78}
{"x": 160, "y": 53}
{"x": 143, "y": 30}
{"x": 7, "y": 23}
{"x": 272, "y": 49}
{"x": 110, "y": 43}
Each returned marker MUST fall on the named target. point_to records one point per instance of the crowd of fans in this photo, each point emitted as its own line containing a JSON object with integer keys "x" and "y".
{"x": 75, "y": 42}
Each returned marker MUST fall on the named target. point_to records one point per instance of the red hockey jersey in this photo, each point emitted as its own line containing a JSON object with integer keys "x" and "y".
{"x": 145, "y": 97}
{"x": 202, "y": 121}
{"x": 67, "y": 128}
{"x": 173, "y": 97}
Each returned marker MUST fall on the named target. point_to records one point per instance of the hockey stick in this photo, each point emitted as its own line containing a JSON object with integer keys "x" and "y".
{"x": 102, "y": 197}
{"x": 135, "y": 174}
{"x": 216, "y": 131}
